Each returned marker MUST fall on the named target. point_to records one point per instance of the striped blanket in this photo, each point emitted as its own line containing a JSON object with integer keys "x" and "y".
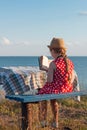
{"x": 21, "y": 80}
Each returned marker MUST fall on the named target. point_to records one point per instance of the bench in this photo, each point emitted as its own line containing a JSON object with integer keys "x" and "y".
{"x": 28, "y": 100}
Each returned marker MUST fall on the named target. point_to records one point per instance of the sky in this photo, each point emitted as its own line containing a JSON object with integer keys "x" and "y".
{"x": 28, "y": 26}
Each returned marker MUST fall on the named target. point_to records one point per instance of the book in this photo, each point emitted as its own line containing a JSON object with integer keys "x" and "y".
{"x": 44, "y": 63}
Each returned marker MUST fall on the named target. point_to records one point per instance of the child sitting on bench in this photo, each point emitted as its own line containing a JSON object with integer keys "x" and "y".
{"x": 59, "y": 79}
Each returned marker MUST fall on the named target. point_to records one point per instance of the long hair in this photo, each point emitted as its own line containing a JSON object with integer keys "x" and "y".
{"x": 62, "y": 52}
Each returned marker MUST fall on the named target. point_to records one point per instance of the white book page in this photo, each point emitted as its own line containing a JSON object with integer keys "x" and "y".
{"x": 45, "y": 61}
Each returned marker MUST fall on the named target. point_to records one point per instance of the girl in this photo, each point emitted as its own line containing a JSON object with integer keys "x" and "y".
{"x": 58, "y": 78}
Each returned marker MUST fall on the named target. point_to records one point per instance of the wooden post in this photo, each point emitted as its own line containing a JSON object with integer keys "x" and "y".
{"x": 26, "y": 116}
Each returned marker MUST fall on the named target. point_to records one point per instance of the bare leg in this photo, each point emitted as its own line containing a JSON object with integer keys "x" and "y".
{"x": 54, "y": 106}
{"x": 42, "y": 110}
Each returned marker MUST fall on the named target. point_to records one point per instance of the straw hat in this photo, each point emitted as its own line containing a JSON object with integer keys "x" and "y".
{"x": 57, "y": 43}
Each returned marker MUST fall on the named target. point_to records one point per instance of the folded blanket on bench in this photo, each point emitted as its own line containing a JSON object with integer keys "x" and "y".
{"x": 18, "y": 80}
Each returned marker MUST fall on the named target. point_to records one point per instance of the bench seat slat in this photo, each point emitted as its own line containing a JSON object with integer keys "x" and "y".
{"x": 37, "y": 98}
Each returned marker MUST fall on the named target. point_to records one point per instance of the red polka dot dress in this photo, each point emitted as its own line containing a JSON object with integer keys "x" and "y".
{"x": 60, "y": 83}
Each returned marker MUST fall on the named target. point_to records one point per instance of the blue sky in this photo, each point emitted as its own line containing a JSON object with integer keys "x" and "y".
{"x": 27, "y": 26}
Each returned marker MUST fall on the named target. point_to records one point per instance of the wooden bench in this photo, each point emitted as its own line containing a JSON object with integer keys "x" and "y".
{"x": 27, "y": 100}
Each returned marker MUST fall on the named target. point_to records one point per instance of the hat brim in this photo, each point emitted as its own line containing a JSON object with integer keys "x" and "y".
{"x": 50, "y": 47}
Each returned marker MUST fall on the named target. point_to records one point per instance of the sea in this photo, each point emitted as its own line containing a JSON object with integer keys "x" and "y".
{"x": 80, "y": 63}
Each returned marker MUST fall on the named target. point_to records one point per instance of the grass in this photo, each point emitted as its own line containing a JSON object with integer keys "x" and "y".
{"x": 72, "y": 114}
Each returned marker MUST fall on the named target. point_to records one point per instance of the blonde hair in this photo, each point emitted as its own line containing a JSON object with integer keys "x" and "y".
{"x": 62, "y": 52}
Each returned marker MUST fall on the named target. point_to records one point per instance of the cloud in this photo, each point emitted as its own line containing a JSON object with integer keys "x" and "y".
{"x": 21, "y": 43}
{"x": 25, "y": 43}
{"x": 5, "y": 41}
{"x": 83, "y": 13}
{"x": 69, "y": 43}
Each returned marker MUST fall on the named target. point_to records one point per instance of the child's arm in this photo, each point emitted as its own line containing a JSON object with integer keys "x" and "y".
{"x": 51, "y": 70}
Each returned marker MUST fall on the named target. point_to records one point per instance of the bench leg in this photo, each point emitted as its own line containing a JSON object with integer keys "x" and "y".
{"x": 26, "y": 116}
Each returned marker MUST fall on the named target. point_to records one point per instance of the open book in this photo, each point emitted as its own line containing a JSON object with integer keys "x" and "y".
{"x": 44, "y": 63}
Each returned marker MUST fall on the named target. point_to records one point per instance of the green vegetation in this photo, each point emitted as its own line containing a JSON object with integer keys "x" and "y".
{"x": 72, "y": 114}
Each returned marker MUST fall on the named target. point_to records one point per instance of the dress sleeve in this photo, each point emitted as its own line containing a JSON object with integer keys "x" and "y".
{"x": 51, "y": 70}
